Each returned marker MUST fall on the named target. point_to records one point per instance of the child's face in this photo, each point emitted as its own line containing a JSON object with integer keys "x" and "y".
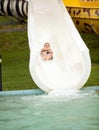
{"x": 47, "y": 45}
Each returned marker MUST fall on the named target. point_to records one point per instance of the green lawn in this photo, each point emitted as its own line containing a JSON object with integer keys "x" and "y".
{"x": 92, "y": 42}
{"x": 94, "y": 76}
{"x": 15, "y": 61}
{"x": 15, "y": 56}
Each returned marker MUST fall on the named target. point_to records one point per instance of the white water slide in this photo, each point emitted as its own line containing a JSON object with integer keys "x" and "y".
{"x": 49, "y": 21}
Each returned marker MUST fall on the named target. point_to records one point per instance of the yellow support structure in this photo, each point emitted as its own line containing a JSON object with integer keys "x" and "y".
{"x": 85, "y": 14}
{"x": 81, "y": 3}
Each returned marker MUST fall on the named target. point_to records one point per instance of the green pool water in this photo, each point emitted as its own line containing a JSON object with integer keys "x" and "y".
{"x": 74, "y": 111}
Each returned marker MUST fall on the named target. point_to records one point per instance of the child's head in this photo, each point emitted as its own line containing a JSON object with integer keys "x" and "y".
{"x": 47, "y": 45}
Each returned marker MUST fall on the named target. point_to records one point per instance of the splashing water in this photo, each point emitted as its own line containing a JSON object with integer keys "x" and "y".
{"x": 75, "y": 110}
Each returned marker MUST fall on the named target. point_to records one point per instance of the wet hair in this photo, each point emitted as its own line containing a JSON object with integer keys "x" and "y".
{"x": 47, "y": 44}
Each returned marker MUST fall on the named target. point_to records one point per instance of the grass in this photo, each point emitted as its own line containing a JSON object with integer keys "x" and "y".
{"x": 94, "y": 76}
{"x": 92, "y": 42}
{"x": 16, "y": 74}
{"x": 15, "y": 56}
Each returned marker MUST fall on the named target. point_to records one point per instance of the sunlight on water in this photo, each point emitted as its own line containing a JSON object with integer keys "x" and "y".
{"x": 78, "y": 110}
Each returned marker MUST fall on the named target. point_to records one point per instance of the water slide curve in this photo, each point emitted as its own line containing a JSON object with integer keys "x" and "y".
{"x": 49, "y": 21}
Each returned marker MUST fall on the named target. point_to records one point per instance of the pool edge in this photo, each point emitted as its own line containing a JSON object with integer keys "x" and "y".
{"x": 38, "y": 91}
{"x": 22, "y": 92}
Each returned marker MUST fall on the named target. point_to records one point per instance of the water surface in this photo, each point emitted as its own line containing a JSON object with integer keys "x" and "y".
{"x": 73, "y": 111}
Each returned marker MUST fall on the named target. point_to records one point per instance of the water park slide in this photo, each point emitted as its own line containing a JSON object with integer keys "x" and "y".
{"x": 49, "y": 21}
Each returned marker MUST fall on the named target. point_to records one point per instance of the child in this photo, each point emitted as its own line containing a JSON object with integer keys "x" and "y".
{"x": 46, "y": 52}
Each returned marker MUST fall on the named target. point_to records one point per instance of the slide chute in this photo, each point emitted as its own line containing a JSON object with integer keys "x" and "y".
{"x": 49, "y": 21}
